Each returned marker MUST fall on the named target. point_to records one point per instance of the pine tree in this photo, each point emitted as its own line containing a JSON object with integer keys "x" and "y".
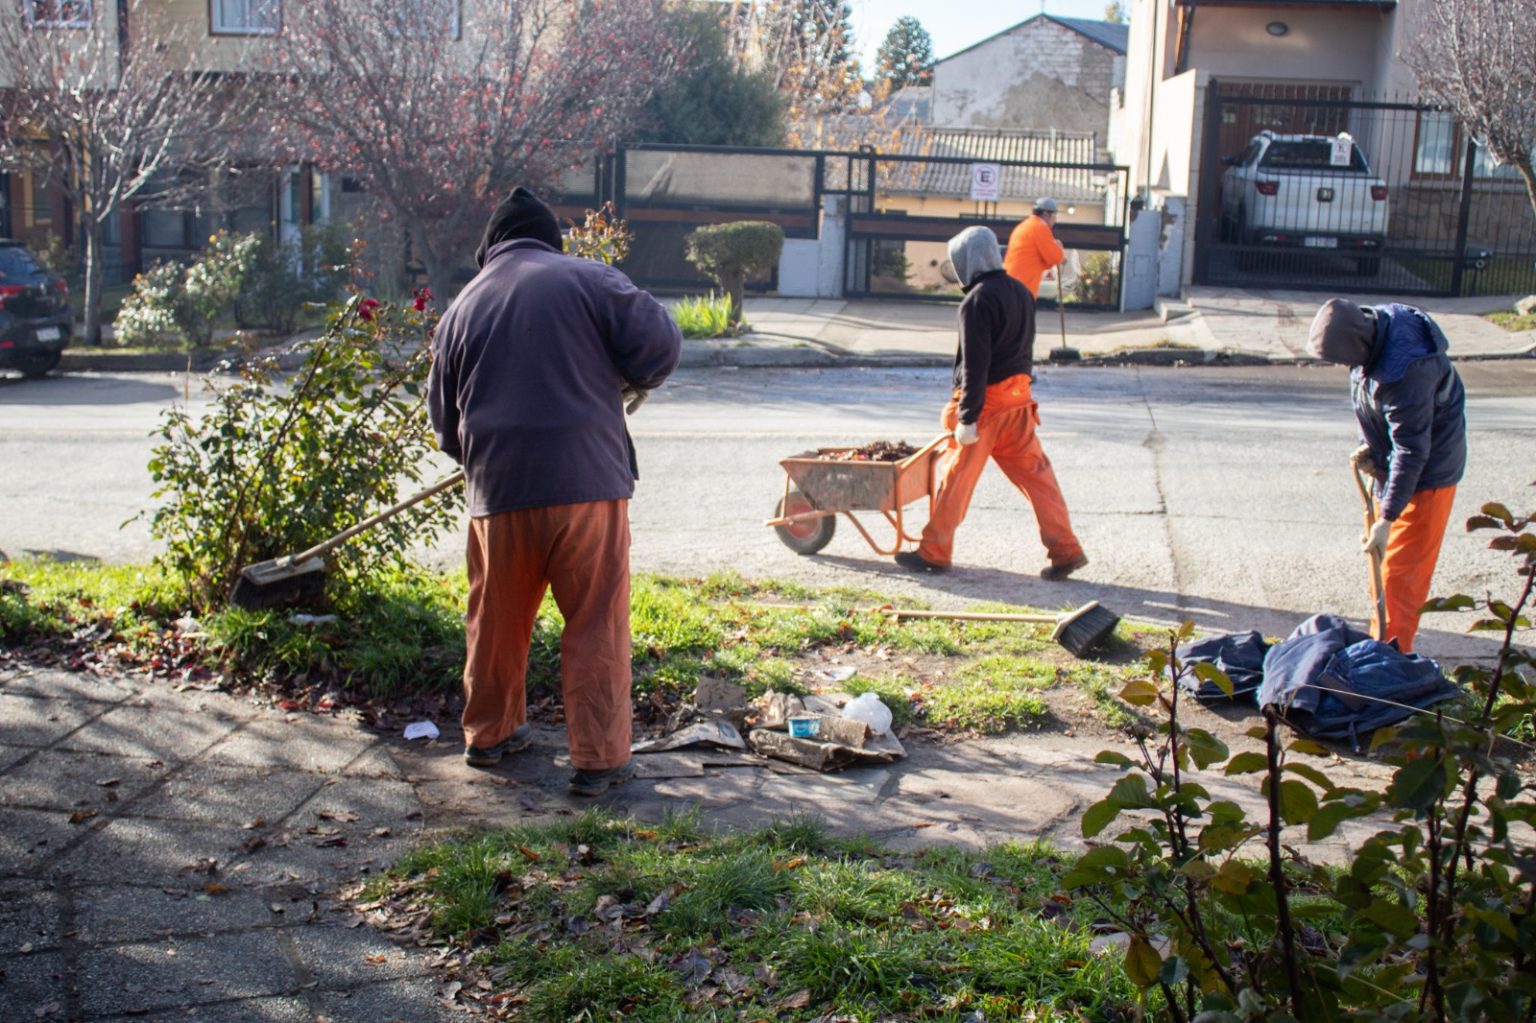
{"x": 906, "y": 55}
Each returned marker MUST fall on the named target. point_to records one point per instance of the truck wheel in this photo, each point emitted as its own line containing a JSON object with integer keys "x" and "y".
{"x": 36, "y": 364}
{"x": 1368, "y": 266}
{"x": 806, "y": 537}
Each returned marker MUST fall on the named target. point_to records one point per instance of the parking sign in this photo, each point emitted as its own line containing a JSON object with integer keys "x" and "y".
{"x": 985, "y": 179}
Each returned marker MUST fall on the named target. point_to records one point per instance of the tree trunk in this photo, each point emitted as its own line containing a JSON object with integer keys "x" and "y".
{"x": 1529, "y": 177}
{"x": 91, "y": 301}
{"x": 735, "y": 286}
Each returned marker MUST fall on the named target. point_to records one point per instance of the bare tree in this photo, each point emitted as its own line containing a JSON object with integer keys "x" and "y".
{"x": 107, "y": 111}
{"x": 1478, "y": 58}
{"x": 805, "y": 46}
{"x": 440, "y": 111}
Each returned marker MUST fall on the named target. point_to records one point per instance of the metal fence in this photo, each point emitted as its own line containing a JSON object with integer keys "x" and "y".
{"x": 1307, "y": 188}
{"x": 899, "y": 211}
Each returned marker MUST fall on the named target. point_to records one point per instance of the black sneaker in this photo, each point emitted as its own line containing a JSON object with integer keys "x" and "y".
{"x": 1066, "y": 568}
{"x": 490, "y": 756}
{"x": 595, "y": 783}
{"x": 917, "y": 563}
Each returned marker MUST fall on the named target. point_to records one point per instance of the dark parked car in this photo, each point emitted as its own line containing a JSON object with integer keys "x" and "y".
{"x": 35, "y": 319}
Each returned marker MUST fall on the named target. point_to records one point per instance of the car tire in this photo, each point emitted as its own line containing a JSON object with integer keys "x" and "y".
{"x": 807, "y": 537}
{"x": 34, "y": 365}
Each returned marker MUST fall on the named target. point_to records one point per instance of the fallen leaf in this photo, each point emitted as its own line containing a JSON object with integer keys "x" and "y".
{"x": 255, "y": 822}
{"x": 81, "y": 816}
{"x": 214, "y": 888}
{"x": 799, "y": 1000}
{"x": 344, "y": 816}
{"x": 107, "y": 783}
{"x": 376, "y": 959}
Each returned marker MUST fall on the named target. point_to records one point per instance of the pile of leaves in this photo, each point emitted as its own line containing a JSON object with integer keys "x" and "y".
{"x": 878, "y": 451}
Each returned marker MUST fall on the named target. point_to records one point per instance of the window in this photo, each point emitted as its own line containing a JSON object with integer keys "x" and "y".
{"x": 1441, "y": 145}
{"x": 247, "y": 17}
{"x": 1309, "y": 154}
{"x": 58, "y": 13}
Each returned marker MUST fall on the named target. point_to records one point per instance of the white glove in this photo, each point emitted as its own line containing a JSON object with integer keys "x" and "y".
{"x": 965, "y": 433}
{"x": 1376, "y": 540}
{"x": 633, "y": 398}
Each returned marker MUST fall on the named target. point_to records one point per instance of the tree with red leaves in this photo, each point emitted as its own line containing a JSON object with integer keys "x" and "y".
{"x": 440, "y": 107}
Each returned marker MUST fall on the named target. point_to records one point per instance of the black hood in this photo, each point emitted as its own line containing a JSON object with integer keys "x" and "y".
{"x": 520, "y": 215}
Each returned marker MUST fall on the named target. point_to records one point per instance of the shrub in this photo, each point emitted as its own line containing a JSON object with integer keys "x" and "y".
{"x": 171, "y": 302}
{"x": 602, "y": 236}
{"x": 730, "y": 253}
{"x": 1095, "y": 281}
{"x": 286, "y": 279}
{"x": 703, "y": 315}
{"x": 277, "y": 465}
{"x": 1433, "y": 919}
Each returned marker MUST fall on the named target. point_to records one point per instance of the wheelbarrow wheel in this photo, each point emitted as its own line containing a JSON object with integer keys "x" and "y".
{"x": 806, "y": 537}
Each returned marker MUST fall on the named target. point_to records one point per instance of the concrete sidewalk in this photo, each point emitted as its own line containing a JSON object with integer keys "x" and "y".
{"x": 1210, "y": 326}
{"x": 168, "y": 853}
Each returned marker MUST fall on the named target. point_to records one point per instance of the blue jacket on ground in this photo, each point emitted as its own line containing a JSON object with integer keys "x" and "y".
{"x": 528, "y": 365}
{"x": 1411, "y": 407}
{"x": 1332, "y": 681}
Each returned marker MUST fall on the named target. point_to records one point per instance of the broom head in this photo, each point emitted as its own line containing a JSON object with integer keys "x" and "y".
{"x": 1086, "y": 628}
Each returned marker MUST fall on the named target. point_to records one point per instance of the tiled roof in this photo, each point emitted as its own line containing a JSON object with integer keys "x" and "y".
{"x": 1111, "y": 35}
{"x": 954, "y": 179}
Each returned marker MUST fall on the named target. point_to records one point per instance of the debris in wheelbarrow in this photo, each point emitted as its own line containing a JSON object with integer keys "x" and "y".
{"x": 879, "y": 451}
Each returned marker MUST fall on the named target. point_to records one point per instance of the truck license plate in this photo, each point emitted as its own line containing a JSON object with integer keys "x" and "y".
{"x": 1320, "y": 243}
{"x": 49, "y": 333}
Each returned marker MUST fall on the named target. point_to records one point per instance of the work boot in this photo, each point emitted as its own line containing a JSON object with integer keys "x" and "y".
{"x": 1064, "y": 569}
{"x": 917, "y": 563}
{"x": 490, "y": 756}
{"x": 595, "y": 783}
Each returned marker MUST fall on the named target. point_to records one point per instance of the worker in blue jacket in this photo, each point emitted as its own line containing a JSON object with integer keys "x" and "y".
{"x": 1411, "y": 411}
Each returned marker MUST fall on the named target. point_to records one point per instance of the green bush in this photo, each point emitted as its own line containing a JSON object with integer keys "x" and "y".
{"x": 1434, "y": 918}
{"x": 287, "y": 282}
{"x": 276, "y": 465}
{"x": 602, "y": 236}
{"x": 172, "y": 303}
{"x": 1095, "y": 281}
{"x": 730, "y": 253}
{"x": 703, "y": 315}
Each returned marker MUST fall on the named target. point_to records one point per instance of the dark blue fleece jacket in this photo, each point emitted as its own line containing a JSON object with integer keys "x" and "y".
{"x": 1410, "y": 406}
{"x": 528, "y": 364}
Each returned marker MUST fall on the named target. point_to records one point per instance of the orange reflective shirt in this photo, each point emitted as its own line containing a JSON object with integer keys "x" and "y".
{"x": 1032, "y": 249}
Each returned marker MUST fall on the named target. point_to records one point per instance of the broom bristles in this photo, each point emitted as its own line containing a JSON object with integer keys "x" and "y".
{"x": 1085, "y": 628}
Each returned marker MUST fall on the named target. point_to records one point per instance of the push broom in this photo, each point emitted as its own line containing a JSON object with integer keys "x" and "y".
{"x": 1078, "y": 631}
{"x": 284, "y": 580}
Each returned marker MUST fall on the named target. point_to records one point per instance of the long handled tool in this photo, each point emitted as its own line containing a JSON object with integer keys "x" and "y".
{"x": 1062, "y": 353}
{"x": 1378, "y": 593}
{"x": 1078, "y": 631}
{"x": 279, "y": 581}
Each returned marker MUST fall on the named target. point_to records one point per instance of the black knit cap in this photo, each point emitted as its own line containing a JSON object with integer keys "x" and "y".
{"x": 520, "y": 215}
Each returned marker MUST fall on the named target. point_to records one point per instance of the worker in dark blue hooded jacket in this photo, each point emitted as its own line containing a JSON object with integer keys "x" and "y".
{"x": 1411, "y": 411}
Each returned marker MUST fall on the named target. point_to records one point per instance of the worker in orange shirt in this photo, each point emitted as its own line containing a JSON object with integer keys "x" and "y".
{"x": 1033, "y": 248}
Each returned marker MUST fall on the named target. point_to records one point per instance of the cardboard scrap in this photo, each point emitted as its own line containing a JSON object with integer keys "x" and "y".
{"x": 825, "y": 756}
{"x": 712, "y": 732}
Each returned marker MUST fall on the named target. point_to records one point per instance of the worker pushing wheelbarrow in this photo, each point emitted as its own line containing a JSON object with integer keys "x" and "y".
{"x": 820, "y": 485}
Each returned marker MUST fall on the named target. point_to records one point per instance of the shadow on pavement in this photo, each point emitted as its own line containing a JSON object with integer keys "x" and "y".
{"x": 81, "y": 390}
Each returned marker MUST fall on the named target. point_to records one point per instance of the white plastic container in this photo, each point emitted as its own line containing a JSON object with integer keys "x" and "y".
{"x": 871, "y": 711}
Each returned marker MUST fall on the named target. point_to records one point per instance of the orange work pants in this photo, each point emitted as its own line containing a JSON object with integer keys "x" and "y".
{"x": 581, "y": 553}
{"x": 1413, "y": 547}
{"x": 1006, "y": 434}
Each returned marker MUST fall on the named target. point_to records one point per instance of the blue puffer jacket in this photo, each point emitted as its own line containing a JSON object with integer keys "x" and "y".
{"x": 1411, "y": 407}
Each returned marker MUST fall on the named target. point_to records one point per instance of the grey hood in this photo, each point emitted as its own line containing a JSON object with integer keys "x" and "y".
{"x": 974, "y": 252}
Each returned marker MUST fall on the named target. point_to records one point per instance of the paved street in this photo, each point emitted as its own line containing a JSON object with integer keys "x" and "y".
{"x": 1216, "y": 493}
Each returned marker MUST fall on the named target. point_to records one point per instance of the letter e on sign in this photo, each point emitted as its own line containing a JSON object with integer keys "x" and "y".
{"x": 985, "y": 181}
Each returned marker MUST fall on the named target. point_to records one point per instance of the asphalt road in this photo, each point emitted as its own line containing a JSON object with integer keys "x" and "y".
{"x": 1218, "y": 494}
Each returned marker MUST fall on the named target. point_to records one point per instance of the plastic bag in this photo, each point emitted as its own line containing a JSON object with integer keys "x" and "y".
{"x": 871, "y": 711}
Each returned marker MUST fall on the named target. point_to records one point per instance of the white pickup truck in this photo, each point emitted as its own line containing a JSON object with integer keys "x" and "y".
{"x": 1305, "y": 192}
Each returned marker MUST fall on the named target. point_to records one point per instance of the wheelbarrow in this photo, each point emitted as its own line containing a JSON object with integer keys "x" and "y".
{"x": 818, "y": 487}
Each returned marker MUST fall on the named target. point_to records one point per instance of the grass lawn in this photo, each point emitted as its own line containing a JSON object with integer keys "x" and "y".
{"x": 596, "y": 917}
{"x": 1511, "y": 320}
{"x": 1504, "y": 275}
{"x": 405, "y": 639}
